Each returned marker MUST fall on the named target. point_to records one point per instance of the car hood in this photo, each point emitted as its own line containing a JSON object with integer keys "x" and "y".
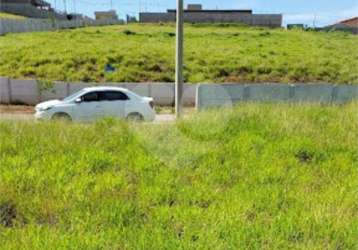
{"x": 147, "y": 99}
{"x": 44, "y": 105}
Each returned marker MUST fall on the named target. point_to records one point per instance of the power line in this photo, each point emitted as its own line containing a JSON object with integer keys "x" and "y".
{"x": 65, "y": 6}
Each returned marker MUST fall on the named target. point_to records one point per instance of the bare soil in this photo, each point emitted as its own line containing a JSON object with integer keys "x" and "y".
{"x": 17, "y": 109}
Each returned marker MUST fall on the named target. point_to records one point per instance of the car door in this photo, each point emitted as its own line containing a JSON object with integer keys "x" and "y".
{"x": 90, "y": 107}
{"x": 114, "y": 103}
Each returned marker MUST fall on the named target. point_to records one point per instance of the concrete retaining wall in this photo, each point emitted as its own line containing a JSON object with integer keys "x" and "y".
{"x": 152, "y": 17}
{"x": 24, "y": 92}
{"x": 5, "y": 92}
{"x": 30, "y": 25}
{"x": 30, "y": 92}
{"x": 271, "y": 20}
{"x": 344, "y": 93}
{"x": 58, "y": 91}
{"x": 214, "y": 95}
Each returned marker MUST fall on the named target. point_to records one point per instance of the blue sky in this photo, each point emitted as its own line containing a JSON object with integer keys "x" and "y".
{"x": 323, "y": 12}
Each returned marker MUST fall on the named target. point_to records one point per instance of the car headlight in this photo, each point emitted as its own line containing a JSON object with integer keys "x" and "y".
{"x": 45, "y": 108}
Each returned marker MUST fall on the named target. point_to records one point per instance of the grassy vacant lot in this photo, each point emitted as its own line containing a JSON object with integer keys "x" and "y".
{"x": 4, "y": 15}
{"x": 214, "y": 53}
{"x": 260, "y": 177}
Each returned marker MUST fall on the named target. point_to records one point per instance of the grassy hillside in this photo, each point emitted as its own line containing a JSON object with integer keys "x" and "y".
{"x": 260, "y": 177}
{"x": 214, "y": 53}
{"x": 4, "y": 15}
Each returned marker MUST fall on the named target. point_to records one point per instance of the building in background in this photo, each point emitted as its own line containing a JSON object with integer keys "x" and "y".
{"x": 30, "y": 8}
{"x": 349, "y": 25}
{"x": 300, "y": 26}
{"x": 106, "y": 15}
{"x": 131, "y": 19}
{"x": 196, "y": 14}
{"x": 353, "y": 22}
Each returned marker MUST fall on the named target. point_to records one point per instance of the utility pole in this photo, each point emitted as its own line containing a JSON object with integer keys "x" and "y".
{"x": 314, "y": 20}
{"x": 65, "y": 6}
{"x": 179, "y": 60}
{"x": 74, "y": 7}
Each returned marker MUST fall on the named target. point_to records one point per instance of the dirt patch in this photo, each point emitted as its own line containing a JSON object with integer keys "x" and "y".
{"x": 166, "y": 110}
{"x": 17, "y": 109}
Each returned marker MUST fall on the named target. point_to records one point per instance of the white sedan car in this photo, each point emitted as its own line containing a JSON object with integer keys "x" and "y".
{"x": 98, "y": 102}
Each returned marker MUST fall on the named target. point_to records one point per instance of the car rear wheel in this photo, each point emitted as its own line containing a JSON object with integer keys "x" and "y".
{"x": 61, "y": 117}
{"x": 135, "y": 117}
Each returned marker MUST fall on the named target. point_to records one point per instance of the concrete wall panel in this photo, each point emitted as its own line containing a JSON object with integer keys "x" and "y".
{"x": 30, "y": 25}
{"x": 236, "y": 92}
{"x": 163, "y": 93}
{"x": 24, "y": 92}
{"x": 321, "y": 93}
{"x": 4, "y": 90}
{"x": 142, "y": 89}
{"x": 345, "y": 93}
{"x": 223, "y": 95}
{"x": 269, "y": 92}
{"x": 58, "y": 91}
{"x": 219, "y": 95}
{"x": 189, "y": 94}
{"x": 74, "y": 87}
{"x": 222, "y": 92}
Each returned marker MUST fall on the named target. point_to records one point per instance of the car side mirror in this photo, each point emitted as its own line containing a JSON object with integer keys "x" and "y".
{"x": 78, "y": 100}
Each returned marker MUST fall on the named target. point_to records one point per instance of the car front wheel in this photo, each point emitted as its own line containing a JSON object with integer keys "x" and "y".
{"x": 135, "y": 117}
{"x": 61, "y": 117}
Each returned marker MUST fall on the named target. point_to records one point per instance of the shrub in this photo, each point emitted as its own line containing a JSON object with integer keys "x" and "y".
{"x": 129, "y": 32}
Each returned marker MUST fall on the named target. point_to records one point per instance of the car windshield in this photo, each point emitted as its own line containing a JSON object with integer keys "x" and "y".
{"x": 69, "y": 98}
{"x": 135, "y": 95}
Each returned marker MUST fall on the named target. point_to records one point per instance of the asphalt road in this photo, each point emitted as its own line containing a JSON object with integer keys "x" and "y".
{"x": 29, "y": 117}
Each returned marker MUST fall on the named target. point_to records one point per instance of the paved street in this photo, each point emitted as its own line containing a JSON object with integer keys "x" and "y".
{"x": 28, "y": 117}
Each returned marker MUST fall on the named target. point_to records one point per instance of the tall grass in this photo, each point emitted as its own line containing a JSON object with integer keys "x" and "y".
{"x": 255, "y": 177}
{"x": 213, "y": 53}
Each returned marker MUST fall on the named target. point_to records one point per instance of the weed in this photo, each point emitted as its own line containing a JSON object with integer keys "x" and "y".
{"x": 80, "y": 55}
{"x": 8, "y": 214}
{"x": 257, "y": 176}
{"x": 170, "y": 34}
{"x": 129, "y": 32}
{"x": 304, "y": 156}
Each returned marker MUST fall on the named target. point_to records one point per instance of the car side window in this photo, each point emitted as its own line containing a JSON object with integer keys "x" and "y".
{"x": 90, "y": 97}
{"x": 115, "y": 96}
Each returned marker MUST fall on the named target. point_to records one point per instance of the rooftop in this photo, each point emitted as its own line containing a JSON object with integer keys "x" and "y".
{"x": 351, "y": 21}
{"x": 40, "y": 3}
{"x": 106, "y": 12}
{"x": 199, "y": 8}
{"x": 213, "y": 11}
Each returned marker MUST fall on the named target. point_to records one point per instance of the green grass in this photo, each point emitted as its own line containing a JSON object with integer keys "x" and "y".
{"x": 259, "y": 177}
{"x": 4, "y": 15}
{"x": 213, "y": 53}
